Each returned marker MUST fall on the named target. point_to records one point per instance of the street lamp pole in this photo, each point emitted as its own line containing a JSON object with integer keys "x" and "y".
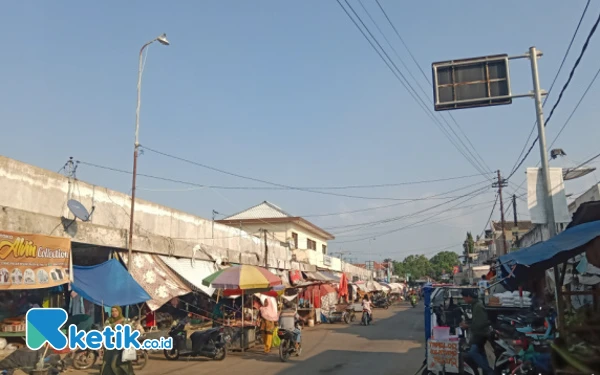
{"x": 162, "y": 39}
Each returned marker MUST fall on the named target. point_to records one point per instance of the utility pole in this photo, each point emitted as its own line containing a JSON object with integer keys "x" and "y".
{"x": 537, "y": 95}
{"x": 515, "y": 217}
{"x": 500, "y": 184}
{"x": 266, "y": 248}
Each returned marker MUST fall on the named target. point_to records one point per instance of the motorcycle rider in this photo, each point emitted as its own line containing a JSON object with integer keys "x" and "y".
{"x": 479, "y": 329}
{"x": 288, "y": 319}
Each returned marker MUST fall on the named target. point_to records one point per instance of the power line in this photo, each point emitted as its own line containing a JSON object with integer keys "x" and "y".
{"x": 490, "y": 218}
{"x": 575, "y": 109}
{"x": 585, "y": 162}
{"x": 283, "y": 187}
{"x": 396, "y": 218}
{"x": 407, "y": 226}
{"x": 401, "y": 78}
{"x": 427, "y": 79}
{"x": 555, "y": 78}
{"x": 342, "y": 187}
{"x": 562, "y": 91}
{"x": 376, "y": 234}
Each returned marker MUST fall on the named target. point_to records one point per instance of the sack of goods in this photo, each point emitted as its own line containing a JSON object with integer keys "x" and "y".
{"x": 506, "y": 299}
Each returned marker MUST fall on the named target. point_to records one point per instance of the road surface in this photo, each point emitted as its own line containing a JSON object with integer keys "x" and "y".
{"x": 393, "y": 345}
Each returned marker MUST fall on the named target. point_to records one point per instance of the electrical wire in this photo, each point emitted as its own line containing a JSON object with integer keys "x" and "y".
{"x": 404, "y": 81}
{"x": 555, "y": 78}
{"x": 376, "y": 234}
{"x": 562, "y": 91}
{"x": 575, "y": 109}
{"x": 488, "y": 221}
{"x": 409, "y": 225}
{"x": 396, "y": 218}
{"x": 281, "y": 186}
{"x": 427, "y": 79}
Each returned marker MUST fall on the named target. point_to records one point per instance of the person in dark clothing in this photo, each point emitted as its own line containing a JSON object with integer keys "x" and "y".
{"x": 479, "y": 329}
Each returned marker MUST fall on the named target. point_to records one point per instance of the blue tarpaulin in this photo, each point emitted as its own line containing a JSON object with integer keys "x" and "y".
{"x": 108, "y": 284}
{"x": 544, "y": 255}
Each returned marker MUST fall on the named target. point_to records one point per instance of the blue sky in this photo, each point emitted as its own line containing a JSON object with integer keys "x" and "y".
{"x": 288, "y": 92}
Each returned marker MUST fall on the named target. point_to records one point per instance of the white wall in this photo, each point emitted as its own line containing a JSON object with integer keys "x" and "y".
{"x": 33, "y": 200}
{"x": 591, "y": 195}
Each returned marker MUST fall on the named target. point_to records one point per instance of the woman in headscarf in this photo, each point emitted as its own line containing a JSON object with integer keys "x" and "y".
{"x": 269, "y": 317}
{"x": 112, "y": 363}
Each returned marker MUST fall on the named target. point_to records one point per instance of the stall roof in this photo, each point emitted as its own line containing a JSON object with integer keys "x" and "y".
{"x": 331, "y": 275}
{"x": 544, "y": 255}
{"x": 317, "y": 276}
{"x": 108, "y": 284}
{"x": 193, "y": 271}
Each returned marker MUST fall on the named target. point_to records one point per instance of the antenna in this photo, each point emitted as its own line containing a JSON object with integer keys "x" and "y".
{"x": 79, "y": 211}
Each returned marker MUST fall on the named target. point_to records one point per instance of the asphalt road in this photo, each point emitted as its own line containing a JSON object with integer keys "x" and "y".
{"x": 392, "y": 345}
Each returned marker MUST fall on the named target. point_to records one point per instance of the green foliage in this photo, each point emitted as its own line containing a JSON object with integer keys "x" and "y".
{"x": 444, "y": 262}
{"x": 418, "y": 266}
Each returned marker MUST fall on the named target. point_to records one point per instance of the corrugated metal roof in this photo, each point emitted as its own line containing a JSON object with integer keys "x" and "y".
{"x": 264, "y": 210}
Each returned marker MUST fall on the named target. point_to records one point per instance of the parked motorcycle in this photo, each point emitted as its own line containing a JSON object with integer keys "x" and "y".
{"x": 381, "y": 303}
{"x": 211, "y": 343}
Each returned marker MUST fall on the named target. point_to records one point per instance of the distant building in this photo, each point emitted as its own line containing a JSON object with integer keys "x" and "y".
{"x": 292, "y": 231}
{"x": 591, "y": 195}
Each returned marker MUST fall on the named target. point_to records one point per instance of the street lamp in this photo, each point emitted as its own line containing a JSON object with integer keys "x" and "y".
{"x": 162, "y": 39}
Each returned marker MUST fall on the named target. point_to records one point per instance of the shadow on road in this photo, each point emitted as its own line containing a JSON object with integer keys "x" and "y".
{"x": 334, "y": 362}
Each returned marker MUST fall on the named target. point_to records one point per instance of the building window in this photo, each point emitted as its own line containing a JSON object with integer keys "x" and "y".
{"x": 310, "y": 244}
{"x": 295, "y": 238}
{"x": 324, "y": 248}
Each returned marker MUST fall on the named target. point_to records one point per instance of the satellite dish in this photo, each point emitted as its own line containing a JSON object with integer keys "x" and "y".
{"x": 78, "y": 210}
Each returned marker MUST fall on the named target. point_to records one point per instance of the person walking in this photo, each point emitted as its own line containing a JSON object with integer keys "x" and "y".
{"x": 269, "y": 317}
{"x": 112, "y": 363}
{"x": 479, "y": 331}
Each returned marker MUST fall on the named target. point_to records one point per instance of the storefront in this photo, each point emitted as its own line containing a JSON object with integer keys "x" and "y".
{"x": 34, "y": 270}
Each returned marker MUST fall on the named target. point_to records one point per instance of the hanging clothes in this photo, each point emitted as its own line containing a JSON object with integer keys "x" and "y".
{"x": 76, "y": 304}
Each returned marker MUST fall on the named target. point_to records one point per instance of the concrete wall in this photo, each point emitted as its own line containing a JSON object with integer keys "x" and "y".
{"x": 283, "y": 233}
{"x": 591, "y": 195}
{"x": 33, "y": 200}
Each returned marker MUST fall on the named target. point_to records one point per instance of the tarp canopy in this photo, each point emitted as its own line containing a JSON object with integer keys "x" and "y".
{"x": 108, "y": 284}
{"x": 193, "y": 271}
{"x": 331, "y": 275}
{"x": 374, "y": 286}
{"x": 534, "y": 260}
{"x": 156, "y": 278}
{"x": 317, "y": 276}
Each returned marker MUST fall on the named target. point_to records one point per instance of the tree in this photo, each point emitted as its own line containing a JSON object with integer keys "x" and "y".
{"x": 468, "y": 246}
{"x": 444, "y": 262}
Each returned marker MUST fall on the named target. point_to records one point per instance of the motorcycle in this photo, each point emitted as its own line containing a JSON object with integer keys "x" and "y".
{"x": 85, "y": 359}
{"x": 211, "y": 343}
{"x": 413, "y": 301}
{"x": 287, "y": 346}
{"x": 381, "y": 303}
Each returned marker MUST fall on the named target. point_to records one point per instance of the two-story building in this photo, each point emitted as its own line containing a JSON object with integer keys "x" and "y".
{"x": 292, "y": 231}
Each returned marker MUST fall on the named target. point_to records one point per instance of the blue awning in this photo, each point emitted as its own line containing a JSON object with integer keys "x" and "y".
{"x": 544, "y": 255}
{"x": 108, "y": 284}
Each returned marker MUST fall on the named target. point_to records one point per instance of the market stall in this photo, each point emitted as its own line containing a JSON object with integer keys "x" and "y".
{"x": 577, "y": 348}
{"x": 245, "y": 280}
{"x": 33, "y": 271}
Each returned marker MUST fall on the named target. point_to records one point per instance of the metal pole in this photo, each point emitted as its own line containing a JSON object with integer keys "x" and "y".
{"x": 533, "y": 56}
{"x": 515, "y": 217}
{"x": 502, "y": 213}
{"x": 135, "y": 155}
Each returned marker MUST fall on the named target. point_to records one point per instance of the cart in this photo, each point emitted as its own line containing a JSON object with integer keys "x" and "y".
{"x": 343, "y": 313}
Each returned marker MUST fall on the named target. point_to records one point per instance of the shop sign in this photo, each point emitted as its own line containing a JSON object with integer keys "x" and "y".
{"x": 442, "y": 356}
{"x": 32, "y": 261}
{"x": 327, "y": 260}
